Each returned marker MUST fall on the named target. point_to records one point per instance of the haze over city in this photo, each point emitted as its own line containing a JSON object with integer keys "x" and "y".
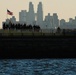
{"x": 64, "y": 9}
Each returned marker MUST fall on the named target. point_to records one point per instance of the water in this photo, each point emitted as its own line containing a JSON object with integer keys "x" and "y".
{"x": 38, "y": 67}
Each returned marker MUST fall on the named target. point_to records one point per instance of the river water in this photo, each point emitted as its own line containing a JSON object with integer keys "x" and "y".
{"x": 38, "y": 67}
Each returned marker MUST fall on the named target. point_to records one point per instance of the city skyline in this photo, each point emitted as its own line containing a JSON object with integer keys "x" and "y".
{"x": 31, "y": 18}
{"x": 49, "y": 22}
{"x": 51, "y": 8}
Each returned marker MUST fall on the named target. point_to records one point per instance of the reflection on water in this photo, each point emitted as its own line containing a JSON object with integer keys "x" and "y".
{"x": 38, "y": 67}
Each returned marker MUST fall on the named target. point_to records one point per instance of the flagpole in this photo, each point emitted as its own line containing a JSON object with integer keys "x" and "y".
{"x": 6, "y": 16}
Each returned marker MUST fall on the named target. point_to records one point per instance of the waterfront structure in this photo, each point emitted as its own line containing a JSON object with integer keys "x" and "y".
{"x": 40, "y": 15}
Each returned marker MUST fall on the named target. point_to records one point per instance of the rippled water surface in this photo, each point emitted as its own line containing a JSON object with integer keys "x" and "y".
{"x": 38, "y": 67}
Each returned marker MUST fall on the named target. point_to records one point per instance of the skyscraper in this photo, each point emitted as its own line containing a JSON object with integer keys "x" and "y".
{"x": 40, "y": 15}
{"x": 62, "y": 23}
{"x": 55, "y": 20}
{"x": 48, "y": 20}
{"x": 31, "y": 14}
{"x": 13, "y": 20}
{"x": 22, "y": 16}
{"x": 75, "y": 20}
{"x": 70, "y": 20}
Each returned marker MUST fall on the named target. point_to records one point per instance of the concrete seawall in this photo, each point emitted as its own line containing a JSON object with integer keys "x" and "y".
{"x": 37, "y": 46}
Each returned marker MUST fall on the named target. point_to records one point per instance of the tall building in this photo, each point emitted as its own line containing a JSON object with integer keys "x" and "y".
{"x": 7, "y": 21}
{"x": 22, "y": 16}
{"x": 13, "y": 20}
{"x": 62, "y": 22}
{"x": 31, "y": 15}
{"x": 70, "y": 20}
{"x": 75, "y": 20}
{"x": 55, "y": 20}
{"x": 40, "y": 15}
{"x": 48, "y": 20}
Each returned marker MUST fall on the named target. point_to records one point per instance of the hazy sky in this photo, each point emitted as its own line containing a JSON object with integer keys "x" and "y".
{"x": 64, "y": 8}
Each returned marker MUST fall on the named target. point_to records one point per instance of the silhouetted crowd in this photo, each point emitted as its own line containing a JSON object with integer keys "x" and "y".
{"x": 19, "y": 26}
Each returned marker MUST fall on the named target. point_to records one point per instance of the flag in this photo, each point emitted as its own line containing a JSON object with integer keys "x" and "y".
{"x": 9, "y": 12}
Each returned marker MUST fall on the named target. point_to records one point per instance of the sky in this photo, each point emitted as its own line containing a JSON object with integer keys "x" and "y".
{"x": 64, "y": 8}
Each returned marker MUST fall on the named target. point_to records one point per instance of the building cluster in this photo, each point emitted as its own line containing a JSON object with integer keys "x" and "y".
{"x": 71, "y": 24}
{"x": 49, "y": 22}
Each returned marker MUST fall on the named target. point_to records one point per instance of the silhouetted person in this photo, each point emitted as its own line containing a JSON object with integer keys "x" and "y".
{"x": 4, "y": 27}
{"x": 36, "y": 28}
{"x": 21, "y": 27}
{"x": 30, "y": 27}
{"x": 58, "y": 30}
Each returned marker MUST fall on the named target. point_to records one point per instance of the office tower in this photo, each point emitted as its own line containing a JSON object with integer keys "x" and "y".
{"x": 55, "y": 20}
{"x": 75, "y": 20}
{"x": 70, "y": 20}
{"x": 7, "y": 21}
{"x": 40, "y": 15}
{"x": 62, "y": 22}
{"x": 22, "y": 16}
{"x": 31, "y": 15}
{"x": 75, "y": 17}
{"x": 13, "y": 20}
{"x": 48, "y": 20}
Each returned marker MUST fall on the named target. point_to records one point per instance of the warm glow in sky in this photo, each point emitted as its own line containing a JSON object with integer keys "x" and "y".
{"x": 64, "y": 8}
